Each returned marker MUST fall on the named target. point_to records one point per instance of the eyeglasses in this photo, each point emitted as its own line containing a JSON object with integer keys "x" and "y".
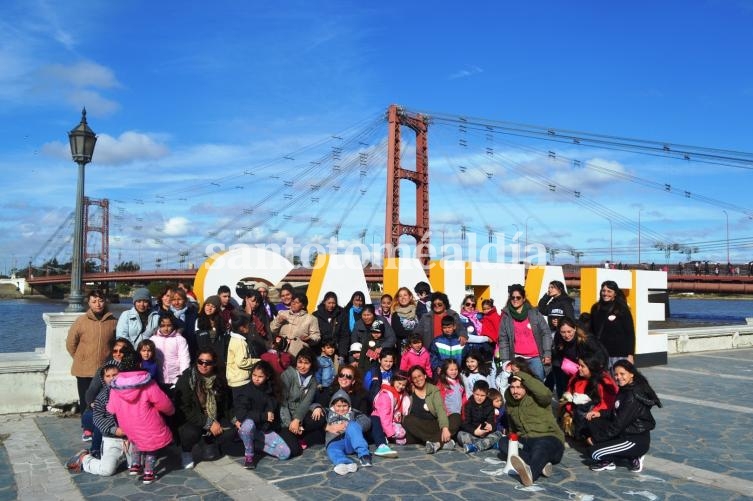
{"x": 206, "y": 363}
{"x": 468, "y": 304}
{"x": 346, "y": 376}
{"x": 516, "y": 298}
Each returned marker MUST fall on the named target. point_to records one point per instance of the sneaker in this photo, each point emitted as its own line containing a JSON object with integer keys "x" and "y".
{"x": 602, "y": 465}
{"x": 523, "y": 470}
{"x": 636, "y": 464}
{"x": 148, "y": 478}
{"x": 366, "y": 461}
{"x": 345, "y": 468}
{"x": 448, "y": 446}
{"x": 134, "y": 470}
{"x": 547, "y": 470}
{"x": 432, "y": 447}
{"x": 352, "y": 467}
{"x": 384, "y": 451}
{"x": 86, "y": 436}
{"x": 249, "y": 463}
{"x": 187, "y": 460}
{"x": 76, "y": 462}
{"x": 470, "y": 448}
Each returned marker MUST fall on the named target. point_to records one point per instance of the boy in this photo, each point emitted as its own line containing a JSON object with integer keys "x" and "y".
{"x": 344, "y": 434}
{"x": 477, "y": 431}
{"x": 500, "y": 418}
{"x": 448, "y": 345}
{"x": 372, "y": 347}
{"x": 328, "y": 365}
{"x": 416, "y": 354}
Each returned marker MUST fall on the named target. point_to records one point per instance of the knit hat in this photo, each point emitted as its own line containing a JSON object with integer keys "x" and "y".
{"x": 377, "y": 326}
{"x": 142, "y": 294}
{"x": 213, "y": 300}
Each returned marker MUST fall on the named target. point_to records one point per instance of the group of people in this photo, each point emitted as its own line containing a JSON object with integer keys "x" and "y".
{"x": 409, "y": 370}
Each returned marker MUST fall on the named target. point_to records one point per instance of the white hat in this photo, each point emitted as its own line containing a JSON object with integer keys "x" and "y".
{"x": 356, "y": 347}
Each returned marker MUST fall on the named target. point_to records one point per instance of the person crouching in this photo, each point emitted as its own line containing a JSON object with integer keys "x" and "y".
{"x": 345, "y": 435}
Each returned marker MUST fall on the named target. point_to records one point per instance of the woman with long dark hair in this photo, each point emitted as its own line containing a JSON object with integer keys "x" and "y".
{"x": 612, "y": 323}
{"x": 590, "y": 391}
{"x": 329, "y": 315}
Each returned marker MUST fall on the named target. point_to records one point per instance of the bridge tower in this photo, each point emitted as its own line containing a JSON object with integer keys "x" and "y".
{"x": 393, "y": 228}
{"x": 97, "y": 225}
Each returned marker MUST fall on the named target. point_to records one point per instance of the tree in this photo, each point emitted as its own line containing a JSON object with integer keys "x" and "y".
{"x": 127, "y": 266}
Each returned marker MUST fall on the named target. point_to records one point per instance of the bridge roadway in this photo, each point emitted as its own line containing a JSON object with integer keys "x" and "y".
{"x": 724, "y": 284}
{"x": 700, "y": 449}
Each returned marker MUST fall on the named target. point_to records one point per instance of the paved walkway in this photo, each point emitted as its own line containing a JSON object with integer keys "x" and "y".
{"x": 702, "y": 449}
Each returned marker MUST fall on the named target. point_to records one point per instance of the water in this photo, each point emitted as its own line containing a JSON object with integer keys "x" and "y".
{"x": 22, "y": 327}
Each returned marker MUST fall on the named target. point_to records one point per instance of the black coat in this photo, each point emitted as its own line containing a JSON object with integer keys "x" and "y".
{"x": 612, "y": 324}
{"x": 631, "y": 416}
{"x": 475, "y": 414}
{"x": 252, "y": 402}
{"x": 188, "y": 409}
{"x": 330, "y": 325}
{"x": 560, "y": 306}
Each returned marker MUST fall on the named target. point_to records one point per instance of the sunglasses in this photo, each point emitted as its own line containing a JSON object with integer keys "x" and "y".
{"x": 117, "y": 350}
{"x": 437, "y": 304}
{"x": 346, "y": 376}
{"x": 207, "y": 363}
{"x": 515, "y": 298}
{"x": 468, "y": 304}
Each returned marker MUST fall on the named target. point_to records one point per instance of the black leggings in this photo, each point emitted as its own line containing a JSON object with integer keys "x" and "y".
{"x": 82, "y": 384}
{"x": 629, "y": 447}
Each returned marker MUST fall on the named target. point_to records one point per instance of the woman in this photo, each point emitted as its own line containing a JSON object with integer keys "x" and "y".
{"x": 426, "y": 420}
{"x": 203, "y": 408}
{"x": 624, "y": 432}
{"x": 349, "y": 380}
{"x": 404, "y": 318}
{"x": 329, "y": 316}
{"x": 296, "y": 325}
{"x": 589, "y": 392}
{"x": 89, "y": 341}
{"x": 556, "y": 304}
{"x": 570, "y": 343}
{"x": 298, "y": 393}
{"x": 165, "y": 299}
{"x": 211, "y": 331}
{"x": 186, "y": 314}
{"x": 612, "y": 323}
{"x": 260, "y": 332}
{"x": 350, "y": 315}
{"x": 470, "y": 317}
{"x": 286, "y": 297}
{"x": 524, "y": 333}
{"x": 430, "y": 325}
{"x": 362, "y": 331}
{"x": 139, "y": 322}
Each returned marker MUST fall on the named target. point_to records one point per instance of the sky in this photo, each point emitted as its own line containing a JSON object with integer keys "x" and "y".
{"x": 260, "y": 123}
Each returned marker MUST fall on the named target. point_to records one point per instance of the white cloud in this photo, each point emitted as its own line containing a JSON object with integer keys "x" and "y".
{"x": 176, "y": 226}
{"x": 80, "y": 75}
{"x": 127, "y": 148}
{"x": 466, "y": 72}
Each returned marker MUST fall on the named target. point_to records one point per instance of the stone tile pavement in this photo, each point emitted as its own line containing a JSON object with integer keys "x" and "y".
{"x": 702, "y": 449}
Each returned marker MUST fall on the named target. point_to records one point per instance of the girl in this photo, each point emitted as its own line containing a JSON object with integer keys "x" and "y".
{"x": 277, "y": 356}
{"x": 211, "y": 330}
{"x": 490, "y": 321}
{"x": 380, "y": 373}
{"x": 387, "y": 415}
{"x": 626, "y": 430}
{"x": 452, "y": 391}
{"x": 385, "y": 308}
{"x": 590, "y": 391}
{"x": 138, "y": 405}
{"x": 416, "y": 354}
{"x": 258, "y": 416}
{"x": 172, "y": 350}
{"x": 570, "y": 343}
{"x": 476, "y": 368}
{"x": 148, "y": 353}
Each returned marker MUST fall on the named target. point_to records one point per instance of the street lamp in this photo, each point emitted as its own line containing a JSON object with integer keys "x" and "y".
{"x": 82, "y": 140}
{"x": 726, "y": 216}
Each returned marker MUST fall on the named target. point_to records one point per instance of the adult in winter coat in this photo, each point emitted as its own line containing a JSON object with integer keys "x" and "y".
{"x": 426, "y": 420}
{"x": 524, "y": 333}
{"x": 625, "y": 431}
{"x": 140, "y": 322}
{"x": 89, "y": 342}
{"x": 296, "y": 325}
{"x": 612, "y": 323}
{"x": 571, "y": 342}
{"x": 351, "y": 314}
{"x": 329, "y": 316}
{"x": 556, "y": 304}
{"x": 430, "y": 324}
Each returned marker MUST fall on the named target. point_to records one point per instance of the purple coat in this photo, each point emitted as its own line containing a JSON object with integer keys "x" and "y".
{"x": 138, "y": 404}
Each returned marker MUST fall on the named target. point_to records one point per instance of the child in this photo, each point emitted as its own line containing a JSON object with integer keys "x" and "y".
{"x": 500, "y": 418}
{"x": 257, "y": 416}
{"x": 477, "y": 433}
{"x": 113, "y": 446}
{"x": 355, "y": 354}
{"x": 452, "y": 391}
{"x": 476, "y": 368}
{"x": 138, "y": 404}
{"x": 416, "y": 354}
{"x": 372, "y": 347}
{"x": 379, "y": 374}
{"x": 277, "y": 355}
{"x": 387, "y": 415}
{"x": 345, "y": 435}
{"x": 590, "y": 392}
{"x": 448, "y": 345}
{"x": 239, "y": 359}
{"x": 148, "y": 352}
{"x": 328, "y": 365}
{"x": 172, "y": 351}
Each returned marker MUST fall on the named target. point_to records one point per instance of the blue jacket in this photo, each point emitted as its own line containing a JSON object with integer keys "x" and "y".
{"x": 129, "y": 326}
{"x": 444, "y": 347}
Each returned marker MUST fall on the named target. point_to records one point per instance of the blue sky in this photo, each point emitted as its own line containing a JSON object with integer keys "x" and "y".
{"x": 187, "y": 94}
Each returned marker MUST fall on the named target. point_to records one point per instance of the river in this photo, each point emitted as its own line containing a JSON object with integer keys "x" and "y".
{"x": 22, "y": 327}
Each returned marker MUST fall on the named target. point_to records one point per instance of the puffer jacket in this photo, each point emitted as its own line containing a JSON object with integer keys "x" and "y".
{"x": 352, "y": 415}
{"x": 172, "y": 356}
{"x": 631, "y": 415}
{"x": 89, "y": 342}
{"x": 138, "y": 404}
{"x": 388, "y": 407}
{"x": 293, "y": 326}
{"x": 129, "y": 326}
{"x": 239, "y": 361}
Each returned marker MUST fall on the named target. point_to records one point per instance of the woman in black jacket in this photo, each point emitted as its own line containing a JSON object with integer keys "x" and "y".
{"x": 329, "y": 316}
{"x": 625, "y": 431}
{"x": 556, "y": 304}
{"x": 612, "y": 323}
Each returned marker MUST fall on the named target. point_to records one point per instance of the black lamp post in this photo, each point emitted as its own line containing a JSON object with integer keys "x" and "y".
{"x": 82, "y": 140}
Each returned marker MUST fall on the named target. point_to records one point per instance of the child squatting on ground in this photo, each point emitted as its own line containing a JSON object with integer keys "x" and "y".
{"x": 345, "y": 435}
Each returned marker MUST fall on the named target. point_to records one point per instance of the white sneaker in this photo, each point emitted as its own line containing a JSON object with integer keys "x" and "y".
{"x": 341, "y": 469}
{"x": 448, "y": 446}
{"x": 523, "y": 470}
{"x": 547, "y": 470}
{"x": 352, "y": 467}
{"x": 187, "y": 460}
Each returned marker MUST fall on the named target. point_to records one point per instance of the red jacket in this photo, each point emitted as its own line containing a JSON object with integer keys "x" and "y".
{"x": 490, "y": 325}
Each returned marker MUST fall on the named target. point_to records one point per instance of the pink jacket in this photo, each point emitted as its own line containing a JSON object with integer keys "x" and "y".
{"x": 411, "y": 358}
{"x": 172, "y": 355}
{"x": 388, "y": 407}
{"x": 137, "y": 401}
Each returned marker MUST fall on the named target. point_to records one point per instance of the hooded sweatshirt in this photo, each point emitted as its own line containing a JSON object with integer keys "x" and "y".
{"x": 137, "y": 403}
{"x": 352, "y": 415}
{"x": 172, "y": 355}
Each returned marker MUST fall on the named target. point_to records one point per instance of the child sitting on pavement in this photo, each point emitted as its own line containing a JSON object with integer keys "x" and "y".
{"x": 387, "y": 416}
{"x": 477, "y": 432}
{"x": 344, "y": 435}
{"x": 500, "y": 418}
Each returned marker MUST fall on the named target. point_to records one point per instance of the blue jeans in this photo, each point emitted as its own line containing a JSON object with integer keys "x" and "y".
{"x": 88, "y": 420}
{"x": 352, "y": 441}
{"x": 537, "y": 367}
{"x": 377, "y": 433}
